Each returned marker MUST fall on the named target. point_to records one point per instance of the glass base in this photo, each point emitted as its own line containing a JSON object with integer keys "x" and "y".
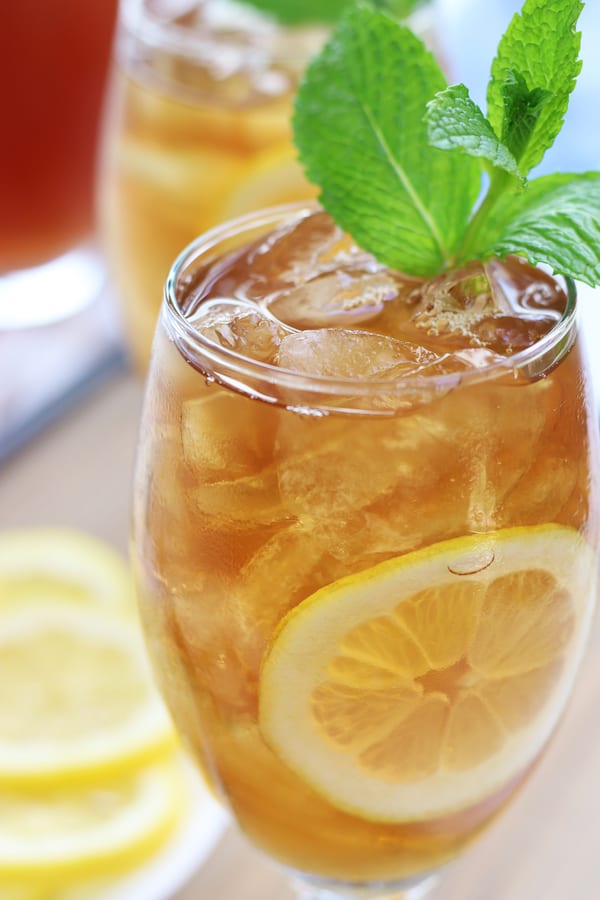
{"x": 324, "y": 889}
{"x": 53, "y": 291}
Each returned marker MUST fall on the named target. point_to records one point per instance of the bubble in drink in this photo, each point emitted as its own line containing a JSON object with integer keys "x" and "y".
{"x": 502, "y": 306}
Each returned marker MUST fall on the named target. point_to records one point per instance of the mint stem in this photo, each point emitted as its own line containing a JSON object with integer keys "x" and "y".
{"x": 498, "y": 184}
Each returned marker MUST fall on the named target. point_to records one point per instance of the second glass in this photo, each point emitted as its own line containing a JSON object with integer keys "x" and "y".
{"x": 197, "y": 132}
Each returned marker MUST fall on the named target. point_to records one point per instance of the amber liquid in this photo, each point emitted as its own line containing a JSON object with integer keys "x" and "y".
{"x": 53, "y": 61}
{"x": 244, "y": 509}
{"x": 185, "y": 150}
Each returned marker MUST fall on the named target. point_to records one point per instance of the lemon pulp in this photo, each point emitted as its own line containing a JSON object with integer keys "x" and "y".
{"x": 425, "y": 684}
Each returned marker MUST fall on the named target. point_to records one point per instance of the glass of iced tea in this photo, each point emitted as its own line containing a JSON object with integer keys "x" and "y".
{"x": 53, "y": 66}
{"x": 365, "y": 535}
{"x": 197, "y": 132}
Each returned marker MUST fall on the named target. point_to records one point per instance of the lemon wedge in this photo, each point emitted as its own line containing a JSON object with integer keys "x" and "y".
{"x": 77, "y": 700}
{"x": 423, "y": 685}
{"x": 63, "y": 835}
{"x": 45, "y": 563}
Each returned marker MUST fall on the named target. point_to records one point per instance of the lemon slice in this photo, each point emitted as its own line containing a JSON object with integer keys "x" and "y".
{"x": 45, "y": 563}
{"x": 63, "y": 835}
{"x": 425, "y": 684}
{"x": 76, "y": 697}
{"x": 18, "y": 892}
{"x": 274, "y": 177}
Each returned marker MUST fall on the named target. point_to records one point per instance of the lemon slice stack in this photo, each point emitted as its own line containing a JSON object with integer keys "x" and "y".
{"x": 90, "y": 780}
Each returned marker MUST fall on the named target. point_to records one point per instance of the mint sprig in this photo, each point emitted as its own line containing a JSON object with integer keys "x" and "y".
{"x": 556, "y": 221}
{"x": 455, "y": 122}
{"x": 360, "y": 130}
{"x": 400, "y": 156}
{"x": 540, "y": 51}
{"x": 303, "y": 12}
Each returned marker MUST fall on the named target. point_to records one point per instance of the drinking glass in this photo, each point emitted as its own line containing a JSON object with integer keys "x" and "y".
{"x": 53, "y": 68}
{"x": 197, "y": 132}
{"x": 367, "y": 579}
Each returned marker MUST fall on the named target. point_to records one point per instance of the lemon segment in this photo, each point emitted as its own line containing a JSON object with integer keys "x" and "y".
{"x": 50, "y": 563}
{"x": 100, "y": 831}
{"x": 427, "y": 683}
{"x": 77, "y": 699}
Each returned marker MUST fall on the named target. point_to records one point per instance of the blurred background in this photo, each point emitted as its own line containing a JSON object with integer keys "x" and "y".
{"x": 70, "y": 398}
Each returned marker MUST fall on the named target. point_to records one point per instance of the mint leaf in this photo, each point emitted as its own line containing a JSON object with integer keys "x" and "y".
{"x": 556, "y": 221}
{"x": 522, "y": 109}
{"x": 539, "y": 52}
{"x": 454, "y": 121}
{"x": 301, "y": 12}
{"x": 359, "y": 126}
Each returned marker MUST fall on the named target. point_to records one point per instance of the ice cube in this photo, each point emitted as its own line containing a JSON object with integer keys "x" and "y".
{"x": 504, "y": 306}
{"x": 529, "y": 304}
{"x": 226, "y": 436}
{"x": 331, "y": 467}
{"x": 253, "y": 500}
{"x": 239, "y": 327}
{"x": 340, "y": 353}
{"x": 519, "y": 289}
{"x": 295, "y": 253}
{"x": 505, "y": 335}
{"x": 345, "y": 298}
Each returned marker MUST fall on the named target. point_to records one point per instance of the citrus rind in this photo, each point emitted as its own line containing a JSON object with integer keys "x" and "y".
{"x": 78, "y": 697}
{"x": 299, "y": 660}
{"x": 41, "y": 563}
{"x": 89, "y": 833}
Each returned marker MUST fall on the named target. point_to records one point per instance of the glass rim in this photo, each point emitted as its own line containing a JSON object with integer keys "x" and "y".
{"x": 140, "y": 21}
{"x": 249, "y": 369}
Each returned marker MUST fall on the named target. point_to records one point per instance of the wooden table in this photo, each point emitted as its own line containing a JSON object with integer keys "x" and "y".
{"x": 545, "y": 847}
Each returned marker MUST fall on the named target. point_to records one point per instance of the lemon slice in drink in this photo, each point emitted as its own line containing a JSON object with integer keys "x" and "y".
{"x": 62, "y": 835}
{"x": 46, "y": 563}
{"x": 272, "y": 178}
{"x": 423, "y": 685}
{"x": 77, "y": 698}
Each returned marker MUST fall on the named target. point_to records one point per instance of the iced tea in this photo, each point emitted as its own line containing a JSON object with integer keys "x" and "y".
{"x": 197, "y": 132}
{"x": 364, "y": 520}
{"x": 53, "y": 65}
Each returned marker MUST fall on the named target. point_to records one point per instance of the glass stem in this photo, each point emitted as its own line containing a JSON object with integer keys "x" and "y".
{"x": 417, "y": 891}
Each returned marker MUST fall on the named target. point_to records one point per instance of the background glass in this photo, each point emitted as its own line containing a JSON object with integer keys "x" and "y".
{"x": 197, "y": 132}
{"x": 53, "y": 62}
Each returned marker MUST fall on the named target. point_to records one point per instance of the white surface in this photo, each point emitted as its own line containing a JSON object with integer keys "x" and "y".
{"x": 52, "y": 291}
{"x": 589, "y": 321}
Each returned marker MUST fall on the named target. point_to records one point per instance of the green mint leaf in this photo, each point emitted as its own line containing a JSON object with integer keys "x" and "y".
{"x": 360, "y": 128}
{"x": 556, "y": 221}
{"x": 455, "y": 122}
{"x": 522, "y": 109}
{"x": 538, "y": 53}
{"x": 302, "y": 12}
